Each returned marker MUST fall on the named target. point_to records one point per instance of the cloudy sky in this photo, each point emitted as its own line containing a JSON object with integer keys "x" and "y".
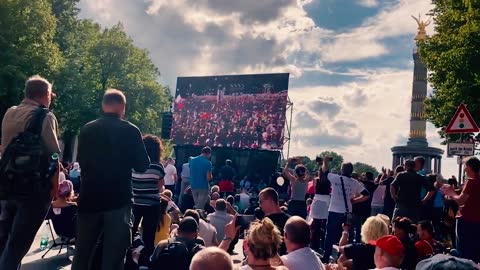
{"x": 350, "y": 60}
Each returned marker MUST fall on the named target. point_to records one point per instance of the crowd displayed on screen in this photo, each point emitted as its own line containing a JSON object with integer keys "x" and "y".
{"x": 241, "y": 121}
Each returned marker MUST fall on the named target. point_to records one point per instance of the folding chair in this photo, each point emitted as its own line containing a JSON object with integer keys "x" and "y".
{"x": 64, "y": 225}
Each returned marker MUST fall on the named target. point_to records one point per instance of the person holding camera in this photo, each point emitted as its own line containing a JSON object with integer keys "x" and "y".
{"x": 345, "y": 192}
{"x": 299, "y": 179}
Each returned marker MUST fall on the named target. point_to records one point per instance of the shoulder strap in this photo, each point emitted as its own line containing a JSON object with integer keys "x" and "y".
{"x": 36, "y": 122}
{"x": 344, "y": 195}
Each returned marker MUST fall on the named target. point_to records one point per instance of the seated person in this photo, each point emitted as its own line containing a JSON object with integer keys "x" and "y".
{"x": 65, "y": 196}
{"x": 187, "y": 200}
{"x": 261, "y": 245}
{"x": 172, "y": 208}
{"x": 64, "y": 211}
{"x": 177, "y": 252}
{"x": 360, "y": 256}
{"x": 297, "y": 240}
{"x": 425, "y": 232}
{"x": 205, "y": 230}
{"x": 164, "y": 223}
{"x": 212, "y": 258}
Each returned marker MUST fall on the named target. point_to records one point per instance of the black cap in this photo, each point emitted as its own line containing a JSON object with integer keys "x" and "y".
{"x": 446, "y": 262}
{"x": 188, "y": 225}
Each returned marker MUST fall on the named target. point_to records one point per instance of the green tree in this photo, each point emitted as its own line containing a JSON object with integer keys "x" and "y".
{"x": 27, "y": 46}
{"x": 452, "y": 55}
{"x": 360, "y": 168}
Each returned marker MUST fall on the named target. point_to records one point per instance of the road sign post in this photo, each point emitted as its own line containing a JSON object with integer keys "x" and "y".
{"x": 462, "y": 122}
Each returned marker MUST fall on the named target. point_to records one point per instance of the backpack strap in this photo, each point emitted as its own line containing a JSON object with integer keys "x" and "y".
{"x": 36, "y": 122}
{"x": 344, "y": 195}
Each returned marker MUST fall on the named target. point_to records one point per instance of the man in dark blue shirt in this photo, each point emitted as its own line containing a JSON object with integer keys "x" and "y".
{"x": 108, "y": 149}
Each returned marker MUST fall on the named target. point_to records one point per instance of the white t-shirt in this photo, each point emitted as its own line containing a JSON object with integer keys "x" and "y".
{"x": 170, "y": 171}
{"x": 319, "y": 208}
{"x": 207, "y": 232}
{"x": 244, "y": 200}
{"x": 378, "y": 195}
{"x": 352, "y": 188}
{"x": 302, "y": 259}
{"x": 185, "y": 170}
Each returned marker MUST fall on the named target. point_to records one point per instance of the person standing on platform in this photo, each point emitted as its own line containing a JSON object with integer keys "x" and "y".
{"x": 200, "y": 176}
{"x": 346, "y": 191}
{"x": 21, "y": 218}
{"x": 108, "y": 149}
{"x": 185, "y": 179}
{"x": 170, "y": 175}
{"x": 468, "y": 216}
{"x": 227, "y": 173}
{"x": 406, "y": 190}
{"x": 299, "y": 179}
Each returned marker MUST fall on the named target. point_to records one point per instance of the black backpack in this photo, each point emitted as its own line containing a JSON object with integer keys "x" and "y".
{"x": 24, "y": 163}
{"x": 175, "y": 255}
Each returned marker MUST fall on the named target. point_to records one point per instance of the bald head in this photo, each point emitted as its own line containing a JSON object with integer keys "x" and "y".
{"x": 297, "y": 231}
{"x": 211, "y": 258}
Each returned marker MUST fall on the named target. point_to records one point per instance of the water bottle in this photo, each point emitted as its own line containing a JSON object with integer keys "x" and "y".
{"x": 44, "y": 240}
{"x": 52, "y": 168}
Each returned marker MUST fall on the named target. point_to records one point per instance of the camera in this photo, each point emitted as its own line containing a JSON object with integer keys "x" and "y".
{"x": 300, "y": 171}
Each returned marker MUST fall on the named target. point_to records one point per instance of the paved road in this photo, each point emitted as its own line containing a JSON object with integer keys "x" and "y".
{"x": 54, "y": 261}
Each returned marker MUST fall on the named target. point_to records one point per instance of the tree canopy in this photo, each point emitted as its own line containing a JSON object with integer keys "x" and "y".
{"x": 452, "y": 55}
{"x": 360, "y": 168}
{"x": 81, "y": 59}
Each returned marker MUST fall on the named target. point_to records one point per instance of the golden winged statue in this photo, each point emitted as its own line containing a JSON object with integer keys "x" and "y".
{"x": 422, "y": 33}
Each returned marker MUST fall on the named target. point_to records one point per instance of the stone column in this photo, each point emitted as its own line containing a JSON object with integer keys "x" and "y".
{"x": 435, "y": 165}
{"x": 440, "y": 165}
{"x": 428, "y": 164}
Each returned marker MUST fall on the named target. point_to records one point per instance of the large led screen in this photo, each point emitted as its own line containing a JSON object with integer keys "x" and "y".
{"x": 240, "y": 111}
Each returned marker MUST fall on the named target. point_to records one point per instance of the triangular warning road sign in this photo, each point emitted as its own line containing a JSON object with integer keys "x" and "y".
{"x": 462, "y": 122}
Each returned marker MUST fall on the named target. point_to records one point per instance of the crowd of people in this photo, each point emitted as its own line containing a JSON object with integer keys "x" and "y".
{"x": 129, "y": 215}
{"x": 245, "y": 121}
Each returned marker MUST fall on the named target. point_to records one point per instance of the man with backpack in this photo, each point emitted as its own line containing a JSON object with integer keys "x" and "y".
{"x": 27, "y": 184}
{"x": 177, "y": 252}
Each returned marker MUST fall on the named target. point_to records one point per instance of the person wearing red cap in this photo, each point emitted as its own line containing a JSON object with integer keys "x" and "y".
{"x": 389, "y": 253}
{"x": 424, "y": 250}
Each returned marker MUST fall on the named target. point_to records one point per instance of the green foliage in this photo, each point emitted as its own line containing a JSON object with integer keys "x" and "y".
{"x": 360, "y": 168}
{"x": 82, "y": 60}
{"x": 167, "y": 149}
{"x": 27, "y": 46}
{"x": 452, "y": 55}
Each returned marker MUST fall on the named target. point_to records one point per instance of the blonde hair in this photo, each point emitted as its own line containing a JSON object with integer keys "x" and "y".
{"x": 373, "y": 229}
{"x": 214, "y": 189}
{"x": 264, "y": 239}
{"x": 385, "y": 219}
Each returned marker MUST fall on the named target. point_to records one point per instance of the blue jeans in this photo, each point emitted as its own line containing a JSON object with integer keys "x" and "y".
{"x": 468, "y": 239}
{"x": 334, "y": 232}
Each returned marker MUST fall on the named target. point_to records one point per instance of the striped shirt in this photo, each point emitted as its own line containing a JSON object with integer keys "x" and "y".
{"x": 145, "y": 185}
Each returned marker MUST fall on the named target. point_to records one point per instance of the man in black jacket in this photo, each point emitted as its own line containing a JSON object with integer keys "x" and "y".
{"x": 108, "y": 149}
{"x": 406, "y": 190}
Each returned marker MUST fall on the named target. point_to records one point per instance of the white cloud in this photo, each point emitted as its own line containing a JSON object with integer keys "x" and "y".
{"x": 368, "y": 3}
{"x": 205, "y": 37}
{"x": 364, "y": 134}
